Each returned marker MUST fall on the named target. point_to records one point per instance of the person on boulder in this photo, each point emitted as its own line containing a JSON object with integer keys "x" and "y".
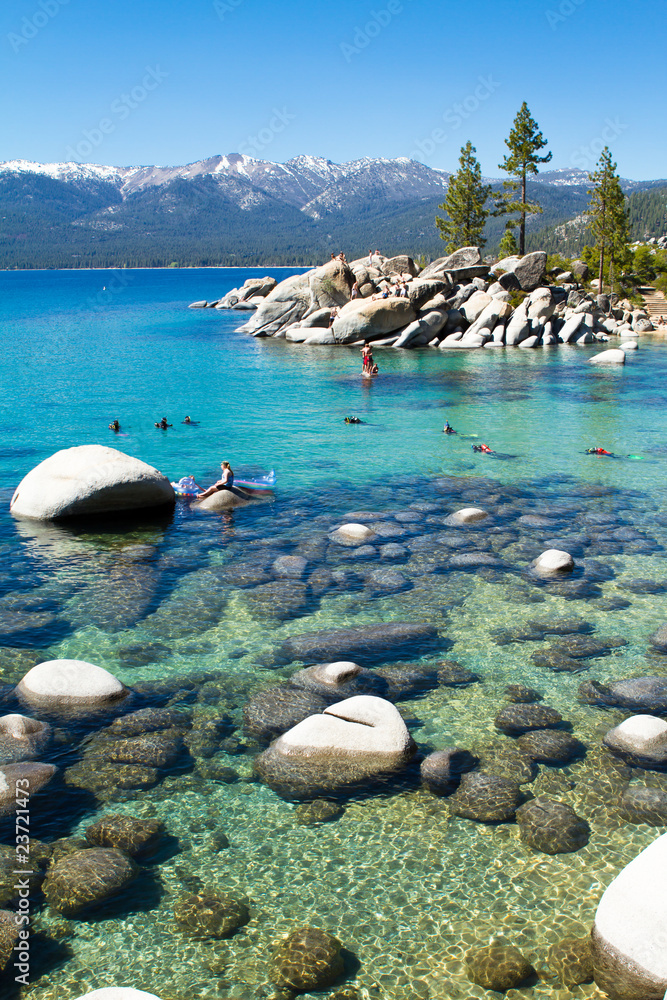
{"x": 225, "y": 482}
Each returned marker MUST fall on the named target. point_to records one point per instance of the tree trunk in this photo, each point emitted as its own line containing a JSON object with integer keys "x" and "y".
{"x": 601, "y": 273}
{"x": 522, "y": 229}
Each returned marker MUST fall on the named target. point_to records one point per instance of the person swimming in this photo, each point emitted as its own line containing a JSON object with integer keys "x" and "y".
{"x": 163, "y": 424}
{"x": 483, "y": 448}
{"x": 114, "y": 425}
{"x": 448, "y": 429}
{"x": 599, "y": 451}
{"x": 189, "y": 420}
{"x": 353, "y": 420}
{"x": 225, "y": 482}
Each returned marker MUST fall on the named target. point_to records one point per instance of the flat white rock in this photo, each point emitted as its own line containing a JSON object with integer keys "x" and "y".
{"x": 70, "y": 682}
{"x": 614, "y": 356}
{"x": 467, "y": 515}
{"x": 360, "y": 725}
{"x": 118, "y": 993}
{"x": 553, "y": 561}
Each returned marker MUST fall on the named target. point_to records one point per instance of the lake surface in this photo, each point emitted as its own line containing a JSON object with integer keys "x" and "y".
{"x": 407, "y": 887}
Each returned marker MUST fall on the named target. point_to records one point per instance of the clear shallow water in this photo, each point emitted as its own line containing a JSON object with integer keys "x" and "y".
{"x": 406, "y": 887}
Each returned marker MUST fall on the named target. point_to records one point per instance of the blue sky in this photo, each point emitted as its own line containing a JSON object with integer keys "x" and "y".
{"x": 176, "y": 81}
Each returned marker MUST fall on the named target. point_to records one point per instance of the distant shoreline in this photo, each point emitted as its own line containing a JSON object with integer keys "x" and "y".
{"x": 188, "y": 267}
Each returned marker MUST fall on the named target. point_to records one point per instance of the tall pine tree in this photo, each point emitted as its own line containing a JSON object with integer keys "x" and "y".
{"x": 608, "y": 214}
{"x": 465, "y": 204}
{"x": 524, "y": 143}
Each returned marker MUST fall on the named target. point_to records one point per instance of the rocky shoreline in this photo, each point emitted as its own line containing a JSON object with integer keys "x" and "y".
{"x": 456, "y": 302}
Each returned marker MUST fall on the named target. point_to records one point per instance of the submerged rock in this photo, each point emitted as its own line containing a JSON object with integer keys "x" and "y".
{"x": 571, "y": 960}
{"x": 486, "y": 798}
{"x": 9, "y": 932}
{"x": 22, "y": 738}
{"x": 441, "y": 771}
{"x": 365, "y": 642}
{"x": 210, "y": 914}
{"x": 551, "y": 827}
{"x": 548, "y": 746}
{"x": 642, "y": 694}
{"x": 640, "y": 741}
{"x": 86, "y": 878}
{"x": 644, "y": 805}
{"x": 519, "y": 694}
{"x": 126, "y": 833}
{"x": 307, "y": 959}
{"x": 498, "y": 967}
{"x": 273, "y": 711}
{"x": 553, "y": 562}
{"x": 629, "y": 955}
{"x": 316, "y": 812}
{"x": 90, "y": 479}
{"x": 514, "y": 719}
{"x": 20, "y": 782}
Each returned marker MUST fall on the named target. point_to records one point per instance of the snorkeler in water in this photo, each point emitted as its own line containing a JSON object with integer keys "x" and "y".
{"x": 163, "y": 424}
{"x": 114, "y": 425}
{"x": 353, "y": 420}
{"x": 483, "y": 448}
{"x": 448, "y": 429}
{"x": 189, "y": 420}
{"x": 599, "y": 451}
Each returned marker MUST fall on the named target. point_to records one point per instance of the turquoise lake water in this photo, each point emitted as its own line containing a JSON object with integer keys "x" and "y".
{"x": 405, "y": 886}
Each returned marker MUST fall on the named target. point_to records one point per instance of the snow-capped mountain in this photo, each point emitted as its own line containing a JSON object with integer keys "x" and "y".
{"x": 235, "y": 208}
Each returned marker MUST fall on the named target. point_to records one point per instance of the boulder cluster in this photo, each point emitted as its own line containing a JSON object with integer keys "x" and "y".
{"x": 455, "y": 302}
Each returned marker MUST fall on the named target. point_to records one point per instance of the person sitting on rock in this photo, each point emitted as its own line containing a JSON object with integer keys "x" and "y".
{"x": 354, "y": 294}
{"x": 163, "y": 424}
{"x": 114, "y": 425}
{"x": 225, "y": 482}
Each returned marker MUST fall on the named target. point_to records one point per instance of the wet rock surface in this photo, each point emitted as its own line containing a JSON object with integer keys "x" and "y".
{"x": 210, "y": 914}
{"x": 551, "y": 827}
{"x": 515, "y": 719}
{"x": 87, "y": 878}
{"x": 307, "y": 959}
{"x": 498, "y": 967}
{"x": 571, "y": 960}
{"x": 485, "y": 798}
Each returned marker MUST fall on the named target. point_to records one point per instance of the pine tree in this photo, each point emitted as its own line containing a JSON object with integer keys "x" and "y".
{"x": 608, "y": 214}
{"x": 465, "y": 204}
{"x": 524, "y": 143}
{"x": 508, "y": 246}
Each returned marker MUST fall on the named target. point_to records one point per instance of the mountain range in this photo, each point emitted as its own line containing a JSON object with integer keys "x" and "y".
{"x": 234, "y": 209}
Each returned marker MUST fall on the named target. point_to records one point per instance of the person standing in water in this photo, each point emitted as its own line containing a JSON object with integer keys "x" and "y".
{"x": 367, "y": 357}
{"x": 225, "y": 482}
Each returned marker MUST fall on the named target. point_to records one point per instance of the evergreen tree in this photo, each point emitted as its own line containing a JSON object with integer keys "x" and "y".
{"x": 508, "y": 246}
{"x": 608, "y": 215}
{"x": 524, "y": 143}
{"x": 465, "y": 204}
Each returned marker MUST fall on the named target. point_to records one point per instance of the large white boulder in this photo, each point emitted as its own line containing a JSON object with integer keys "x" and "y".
{"x": 360, "y": 725}
{"x": 70, "y": 683}
{"x": 614, "y": 356}
{"x": 354, "y": 744}
{"x": 630, "y": 931}
{"x": 234, "y": 497}
{"x": 553, "y": 562}
{"x": 89, "y": 479}
{"x": 367, "y": 318}
{"x": 352, "y": 535}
